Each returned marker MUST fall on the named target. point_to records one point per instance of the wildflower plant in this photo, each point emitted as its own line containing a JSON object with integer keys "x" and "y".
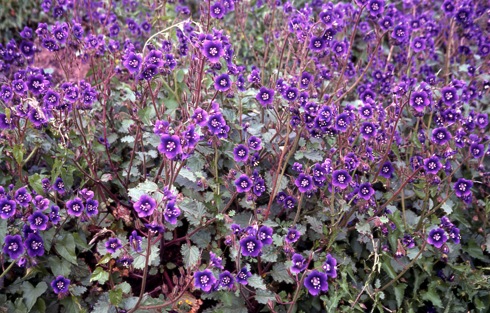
{"x": 250, "y": 156}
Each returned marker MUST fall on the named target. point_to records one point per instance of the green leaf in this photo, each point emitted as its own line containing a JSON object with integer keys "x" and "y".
{"x": 115, "y": 296}
{"x": 125, "y": 287}
{"x": 71, "y": 304}
{"x": 77, "y": 290}
{"x": 257, "y": 282}
{"x": 264, "y": 296}
{"x": 99, "y": 275}
{"x": 190, "y": 254}
{"x": 31, "y": 293}
{"x": 193, "y": 211}
{"x": 400, "y": 293}
{"x": 66, "y": 248}
{"x": 59, "y": 266}
{"x": 140, "y": 258}
{"x": 106, "y": 258}
{"x": 147, "y": 187}
{"x": 36, "y": 184}
{"x": 432, "y": 296}
{"x": 18, "y": 151}
{"x": 447, "y": 207}
{"x": 280, "y": 273}
{"x": 3, "y": 230}
{"x": 103, "y": 305}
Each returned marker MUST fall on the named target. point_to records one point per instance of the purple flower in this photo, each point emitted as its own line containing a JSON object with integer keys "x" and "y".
{"x": 330, "y": 266}
{"x": 299, "y": 263}
{"x": 6, "y": 93}
{"x": 19, "y": 87}
{"x": 432, "y": 165}
{"x": 400, "y": 34}
{"x": 212, "y": 50}
{"x": 254, "y": 143}
{"x": 368, "y": 130}
{"x": 243, "y": 275}
{"x": 226, "y": 280}
{"x": 171, "y": 213}
{"x": 292, "y": 235}
{"x": 387, "y": 170}
{"x": 155, "y": 228}
{"x": 145, "y": 206}
{"x": 342, "y": 122}
{"x": 135, "y": 241}
{"x": 317, "y": 44}
{"x": 251, "y": 246}
{"x": 449, "y": 95}
{"x": 437, "y": 237}
{"x": 113, "y": 244}
{"x": 6, "y": 123}
{"x": 408, "y": 241}
{"x": 376, "y": 7}
{"x": 235, "y": 229}
{"x": 265, "y": 235}
{"x": 38, "y": 220}
{"x": 289, "y": 203}
{"x": 366, "y": 191}
{"x": 454, "y": 235}
{"x": 243, "y": 183}
{"x": 75, "y": 207}
{"x": 222, "y": 82}
{"x": 34, "y": 245}
{"x": 60, "y": 285}
{"x": 462, "y": 187}
{"x": 133, "y": 62}
{"x": 217, "y": 10}
{"x": 7, "y": 208}
{"x": 290, "y": 94}
{"x": 477, "y": 150}
{"x": 13, "y": 246}
{"x": 170, "y": 146}
{"x": 204, "y": 280}
{"x": 240, "y": 153}
{"x": 341, "y": 179}
{"x": 54, "y": 215}
{"x": 22, "y": 197}
{"x": 419, "y": 100}
{"x": 316, "y": 282}
{"x": 215, "y": 260}
{"x": 265, "y": 96}
{"x": 91, "y": 207}
{"x": 37, "y": 84}
{"x": 59, "y": 185}
{"x": 304, "y": 183}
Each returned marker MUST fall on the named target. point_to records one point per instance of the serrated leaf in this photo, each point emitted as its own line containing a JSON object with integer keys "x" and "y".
{"x": 71, "y": 304}
{"x": 447, "y": 207}
{"x": 99, "y": 275}
{"x": 77, "y": 290}
{"x": 190, "y": 255}
{"x": 256, "y": 281}
{"x": 59, "y": 266}
{"x": 31, "y": 293}
{"x": 139, "y": 259}
{"x": 400, "y": 293}
{"x": 106, "y": 258}
{"x": 125, "y": 287}
{"x": 36, "y": 184}
{"x": 315, "y": 223}
{"x": 103, "y": 305}
{"x": 3, "y": 230}
{"x": 432, "y": 296}
{"x": 193, "y": 211}
{"x": 66, "y": 248}
{"x": 115, "y": 296}
{"x": 280, "y": 273}
{"x": 264, "y": 296}
{"x": 127, "y": 139}
{"x": 148, "y": 187}
{"x": 18, "y": 151}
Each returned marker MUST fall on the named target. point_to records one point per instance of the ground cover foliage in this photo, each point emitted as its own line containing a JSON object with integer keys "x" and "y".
{"x": 245, "y": 156}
